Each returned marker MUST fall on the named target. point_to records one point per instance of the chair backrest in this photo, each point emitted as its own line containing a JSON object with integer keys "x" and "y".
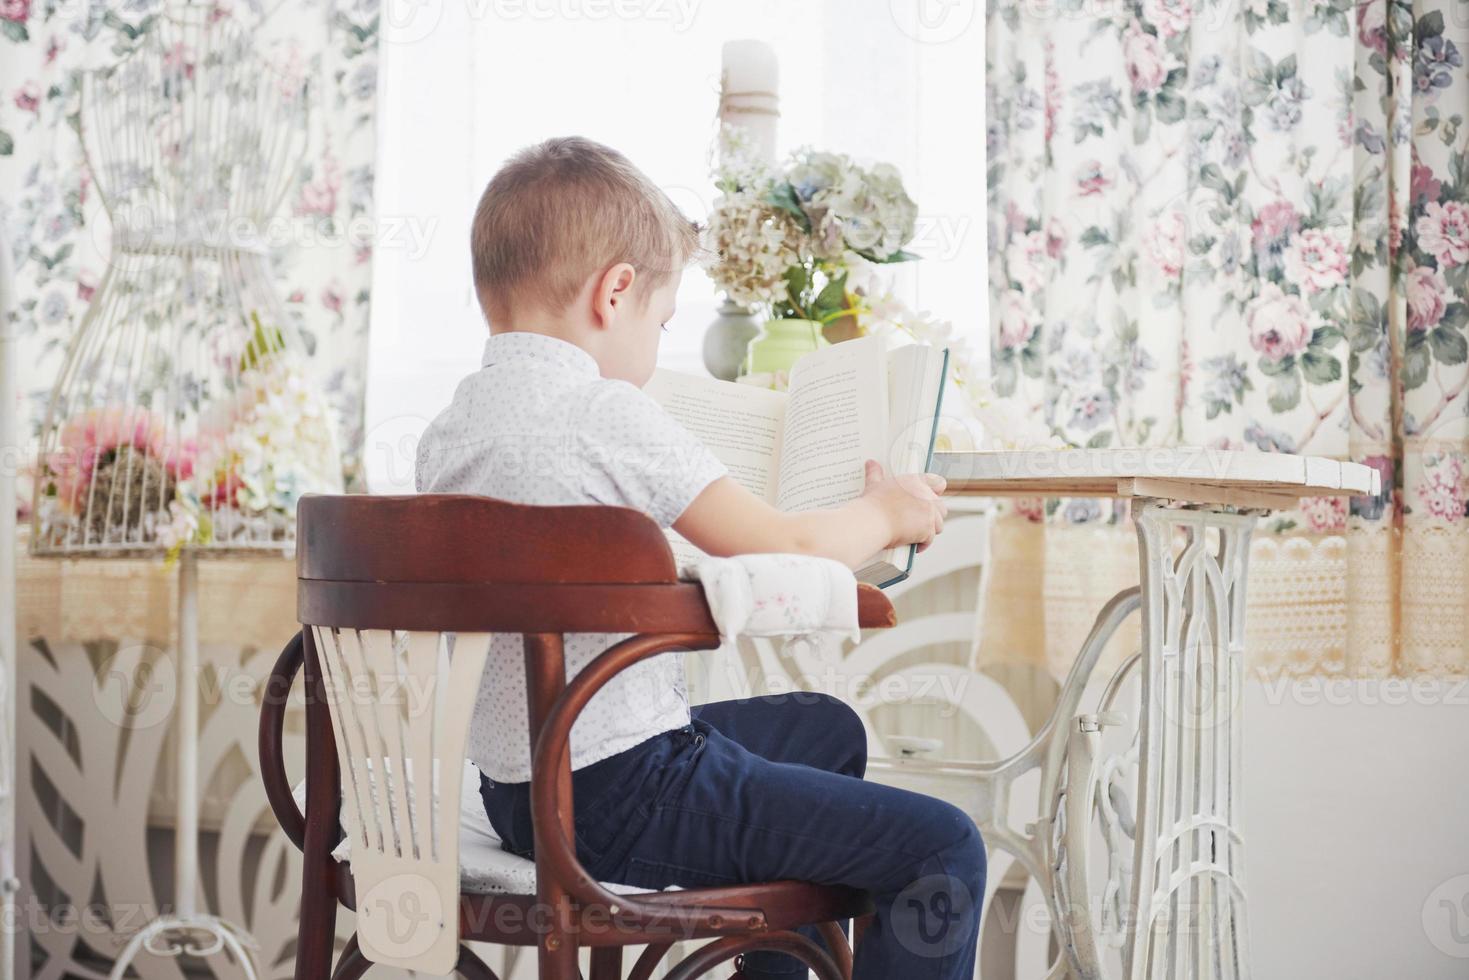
{"x": 399, "y": 598}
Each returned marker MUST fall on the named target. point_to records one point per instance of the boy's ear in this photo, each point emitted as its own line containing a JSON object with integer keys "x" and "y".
{"x": 613, "y": 293}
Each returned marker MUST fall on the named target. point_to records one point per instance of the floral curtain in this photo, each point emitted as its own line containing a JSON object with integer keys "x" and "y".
{"x": 1243, "y": 225}
{"x": 57, "y": 230}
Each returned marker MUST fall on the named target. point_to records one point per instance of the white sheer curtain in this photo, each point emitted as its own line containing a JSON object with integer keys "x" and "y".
{"x": 464, "y": 83}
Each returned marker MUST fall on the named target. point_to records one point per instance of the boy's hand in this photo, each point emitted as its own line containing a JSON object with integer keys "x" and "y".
{"x": 911, "y": 504}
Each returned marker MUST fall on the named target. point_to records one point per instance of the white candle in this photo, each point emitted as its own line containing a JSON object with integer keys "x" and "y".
{"x": 749, "y": 87}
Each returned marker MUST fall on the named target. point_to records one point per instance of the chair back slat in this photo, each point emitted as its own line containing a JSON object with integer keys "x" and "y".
{"x": 351, "y": 744}
{"x": 400, "y": 704}
{"x": 389, "y": 712}
{"x": 423, "y": 664}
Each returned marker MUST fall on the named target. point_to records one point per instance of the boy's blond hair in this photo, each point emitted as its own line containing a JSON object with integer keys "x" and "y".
{"x": 561, "y": 211}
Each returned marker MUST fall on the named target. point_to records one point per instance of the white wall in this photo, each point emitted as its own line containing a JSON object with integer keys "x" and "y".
{"x": 1356, "y": 815}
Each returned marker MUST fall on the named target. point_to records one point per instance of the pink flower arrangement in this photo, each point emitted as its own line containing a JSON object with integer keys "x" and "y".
{"x": 1316, "y": 260}
{"x": 17, "y": 11}
{"x": 1443, "y": 231}
{"x": 1143, "y": 55}
{"x": 1280, "y": 323}
{"x": 1426, "y": 291}
{"x": 87, "y": 438}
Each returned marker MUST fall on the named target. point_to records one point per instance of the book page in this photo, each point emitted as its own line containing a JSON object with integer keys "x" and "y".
{"x": 915, "y": 387}
{"x": 741, "y": 424}
{"x": 915, "y": 383}
{"x": 836, "y": 419}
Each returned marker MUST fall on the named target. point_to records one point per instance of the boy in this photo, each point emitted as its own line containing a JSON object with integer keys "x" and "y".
{"x": 577, "y": 258}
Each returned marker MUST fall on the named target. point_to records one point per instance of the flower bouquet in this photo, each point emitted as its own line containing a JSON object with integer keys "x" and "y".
{"x": 128, "y": 477}
{"x": 785, "y": 240}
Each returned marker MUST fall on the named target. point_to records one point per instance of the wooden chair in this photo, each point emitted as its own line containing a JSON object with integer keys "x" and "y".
{"x": 398, "y": 597}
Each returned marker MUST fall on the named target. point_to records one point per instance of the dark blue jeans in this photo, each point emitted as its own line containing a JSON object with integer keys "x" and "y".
{"x": 772, "y": 788}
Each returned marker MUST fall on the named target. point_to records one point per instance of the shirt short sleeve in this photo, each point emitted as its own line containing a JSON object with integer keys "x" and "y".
{"x": 639, "y": 456}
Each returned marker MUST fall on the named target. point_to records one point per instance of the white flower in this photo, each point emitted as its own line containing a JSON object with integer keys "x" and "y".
{"x": 1443, "y": 232}
{"x": 1316, "y": 259}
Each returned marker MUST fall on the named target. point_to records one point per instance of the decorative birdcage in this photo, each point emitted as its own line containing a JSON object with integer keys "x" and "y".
{"x": 184, "y": 416}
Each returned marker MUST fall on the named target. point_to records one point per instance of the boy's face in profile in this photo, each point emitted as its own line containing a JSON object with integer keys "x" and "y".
{"x": 632, "y": 352}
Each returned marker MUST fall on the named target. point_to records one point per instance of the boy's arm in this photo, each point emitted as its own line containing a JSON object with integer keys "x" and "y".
{"x": 726, "y": 519}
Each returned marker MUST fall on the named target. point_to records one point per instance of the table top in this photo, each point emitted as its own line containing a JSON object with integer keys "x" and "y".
{"x": 1189, "y": 474}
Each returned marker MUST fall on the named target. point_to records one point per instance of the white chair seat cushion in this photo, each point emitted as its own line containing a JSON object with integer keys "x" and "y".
{"x": 485, "y": 867}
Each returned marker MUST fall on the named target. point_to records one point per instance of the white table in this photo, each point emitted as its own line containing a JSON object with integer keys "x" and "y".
{"x": 1173, "y": 902}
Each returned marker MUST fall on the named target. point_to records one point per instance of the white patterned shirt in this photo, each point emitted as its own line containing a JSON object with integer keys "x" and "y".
{"x": 537, "y": 424}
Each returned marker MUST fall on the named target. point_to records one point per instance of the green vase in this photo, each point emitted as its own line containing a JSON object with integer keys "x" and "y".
{"x": 780, "y": 344}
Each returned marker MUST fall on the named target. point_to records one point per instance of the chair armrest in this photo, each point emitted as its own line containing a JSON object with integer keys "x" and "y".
{"x": 274, "y": 701}
{"x": 552, "y": 807}
{"x": 874, "y": 609}
{"x": 550, "y": 778}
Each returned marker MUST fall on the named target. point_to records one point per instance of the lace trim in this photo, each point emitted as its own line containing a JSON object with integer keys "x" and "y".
{"x": 1373, "y": 602}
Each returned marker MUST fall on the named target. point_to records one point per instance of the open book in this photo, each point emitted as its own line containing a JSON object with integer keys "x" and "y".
{"x": 805, "y": 449}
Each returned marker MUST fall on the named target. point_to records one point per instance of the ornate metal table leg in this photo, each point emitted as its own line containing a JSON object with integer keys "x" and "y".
{"x": 1188, "y": 876}
{"x": 187, "y": 932}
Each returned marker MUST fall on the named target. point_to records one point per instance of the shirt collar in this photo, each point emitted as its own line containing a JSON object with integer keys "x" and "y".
{"x": 521, "y": 345}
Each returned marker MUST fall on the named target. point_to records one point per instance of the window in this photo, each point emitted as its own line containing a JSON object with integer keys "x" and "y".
{"x": 464, "y": 83}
